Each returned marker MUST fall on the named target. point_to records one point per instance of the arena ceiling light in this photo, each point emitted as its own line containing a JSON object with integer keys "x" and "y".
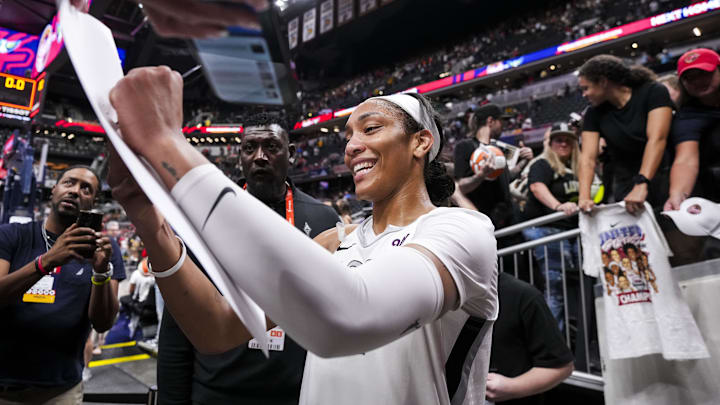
{"x": 324, "y": 130}
{"x": 697, "y": 31}
{"x": 634, "y": 45}
{"x": 281, "y": 4}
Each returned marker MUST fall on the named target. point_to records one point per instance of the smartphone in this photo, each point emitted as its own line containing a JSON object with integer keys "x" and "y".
{"x": 248, "y": 66}
{"x": 89, "y": 219}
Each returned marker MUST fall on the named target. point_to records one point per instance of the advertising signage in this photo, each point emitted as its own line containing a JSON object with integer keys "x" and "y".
{"x": 584, "y": 42}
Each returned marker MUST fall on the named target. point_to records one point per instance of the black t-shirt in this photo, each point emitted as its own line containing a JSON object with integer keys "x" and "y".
{"x": 491, "y": 197}
{"x": 525, "y": 334}
{"x": 241, "y": 375}
{"x": 701, "y": 124}
{"x": 564, "y": 188}
{"x": 41, "y": 344}
{"x": 625, "y": 131}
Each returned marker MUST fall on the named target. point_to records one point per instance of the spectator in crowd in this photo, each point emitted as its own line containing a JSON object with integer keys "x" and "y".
{"x": 141, "y": 282}
{"x": 672, "y": 84}
{"x": 554, "y": 188}
{"x": 491, "y": 197}
{"x": 343, "y": 209}
{"x": 696, "y": 139}
{"x": 140, "y": 303}
{"x": 529, "y": 355}
{"x": 56, "y": 281}
{"x": 696, "y": 130}
{"x": 243, "y": 374}
{"x": 112, "y": 228}
{"x": 632, "y": 112}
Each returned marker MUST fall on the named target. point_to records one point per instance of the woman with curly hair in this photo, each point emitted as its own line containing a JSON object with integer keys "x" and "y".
{"x": 633, "y": 113}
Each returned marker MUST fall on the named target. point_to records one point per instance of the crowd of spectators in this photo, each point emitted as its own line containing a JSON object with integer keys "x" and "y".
{"x": 561, "y": 22}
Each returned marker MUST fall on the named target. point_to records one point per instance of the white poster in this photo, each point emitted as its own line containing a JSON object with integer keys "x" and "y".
{"x": 309, "y": 25}
{"x": 367, "y": 6}
{"x": 293, "y": 32}
{"x": 345, "y": 11}
{"x": 326, "y": 16}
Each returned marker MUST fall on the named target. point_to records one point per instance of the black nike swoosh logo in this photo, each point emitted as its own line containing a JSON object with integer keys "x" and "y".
{"x": 217, "y": 201}
{"x": 614, "y": 225}
{"x": 344, "y": 247}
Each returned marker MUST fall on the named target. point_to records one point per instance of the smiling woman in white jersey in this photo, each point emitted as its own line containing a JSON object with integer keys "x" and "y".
{"x": 383, "y": 315}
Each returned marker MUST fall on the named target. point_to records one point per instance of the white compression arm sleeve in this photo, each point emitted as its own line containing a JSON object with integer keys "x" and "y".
{"x": 328, "y": 309}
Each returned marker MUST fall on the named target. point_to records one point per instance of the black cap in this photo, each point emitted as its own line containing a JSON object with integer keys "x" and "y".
{"x": 489, "y": 110}
{"x": 562, "y": 128}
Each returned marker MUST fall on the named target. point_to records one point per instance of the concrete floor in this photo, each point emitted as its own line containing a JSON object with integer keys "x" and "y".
{"x": 129, "y": 378}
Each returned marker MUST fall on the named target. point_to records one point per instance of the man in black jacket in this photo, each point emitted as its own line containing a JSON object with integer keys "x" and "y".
{"x": 243, "y": 375}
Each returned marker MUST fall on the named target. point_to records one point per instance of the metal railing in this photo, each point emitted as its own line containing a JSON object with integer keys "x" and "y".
{"x": 587, "y": 372}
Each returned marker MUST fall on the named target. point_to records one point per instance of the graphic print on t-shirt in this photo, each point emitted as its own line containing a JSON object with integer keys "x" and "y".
{"x": 627, "y": 273}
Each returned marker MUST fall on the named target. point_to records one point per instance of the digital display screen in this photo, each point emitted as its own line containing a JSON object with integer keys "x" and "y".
{"x": 16, "y": 91}
{"x": 17, "y": 51}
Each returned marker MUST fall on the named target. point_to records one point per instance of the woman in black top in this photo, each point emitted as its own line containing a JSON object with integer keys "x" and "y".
{"x": 633, "y": 113}
{"x": 696, "y": 130}
{"x": 554, "y": 187}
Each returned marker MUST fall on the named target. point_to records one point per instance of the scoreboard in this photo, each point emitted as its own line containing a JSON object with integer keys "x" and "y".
{"x": 20, "y": 97}
{"x": 16, "y": 91}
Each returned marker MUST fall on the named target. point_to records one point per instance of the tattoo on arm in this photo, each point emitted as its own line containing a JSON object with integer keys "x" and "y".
{"x": 170, "y": 170}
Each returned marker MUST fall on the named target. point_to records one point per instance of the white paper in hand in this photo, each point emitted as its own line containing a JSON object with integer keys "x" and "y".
{"x": 93, "y": 54}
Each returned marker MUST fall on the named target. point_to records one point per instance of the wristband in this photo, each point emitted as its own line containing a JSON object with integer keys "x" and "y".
{"x": 172, "y": 270}
{"x": 92, "y": 279}
{"x": 640, "y": 179}
{"x": 39, "y": 267}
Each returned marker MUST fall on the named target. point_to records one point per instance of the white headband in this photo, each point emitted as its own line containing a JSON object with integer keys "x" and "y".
{"x": 412, "y": 106}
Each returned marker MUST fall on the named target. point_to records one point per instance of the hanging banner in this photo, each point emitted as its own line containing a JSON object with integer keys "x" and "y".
{"x": 326, "y": 16}
{"x": 345, "y": 11}
{"x": 309, "y": 25}
{"x": 293, "y": 32}
{"x": 367, "y": 6}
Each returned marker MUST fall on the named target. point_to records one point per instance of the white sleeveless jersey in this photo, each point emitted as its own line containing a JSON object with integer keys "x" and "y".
{"x": 435, "y": 364}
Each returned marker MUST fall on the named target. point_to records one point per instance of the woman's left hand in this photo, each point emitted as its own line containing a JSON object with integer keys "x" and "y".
{"x": 568, "y": 208}
{"x": 635, "y": 200}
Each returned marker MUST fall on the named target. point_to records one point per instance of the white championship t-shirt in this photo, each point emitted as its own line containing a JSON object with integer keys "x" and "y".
{"x": 645, "y": 311}
{"x": 412, "y": 370}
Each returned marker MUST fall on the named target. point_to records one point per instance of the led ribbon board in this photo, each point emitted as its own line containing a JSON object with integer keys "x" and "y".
{"x": 690, "y": 11}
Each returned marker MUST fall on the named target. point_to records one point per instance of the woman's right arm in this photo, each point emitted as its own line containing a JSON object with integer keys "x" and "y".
{"x": 683, "y": 173}
{"x": 586, "y": 169}
{"x": 193, "y": 300}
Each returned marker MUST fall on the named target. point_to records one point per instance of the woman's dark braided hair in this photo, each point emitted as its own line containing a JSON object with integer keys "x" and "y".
{"x": 615, "y": 70}
{"x": 439, "y": 184}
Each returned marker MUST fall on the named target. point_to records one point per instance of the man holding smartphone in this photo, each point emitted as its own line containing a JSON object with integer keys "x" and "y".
{"x": 57, "y": 279}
